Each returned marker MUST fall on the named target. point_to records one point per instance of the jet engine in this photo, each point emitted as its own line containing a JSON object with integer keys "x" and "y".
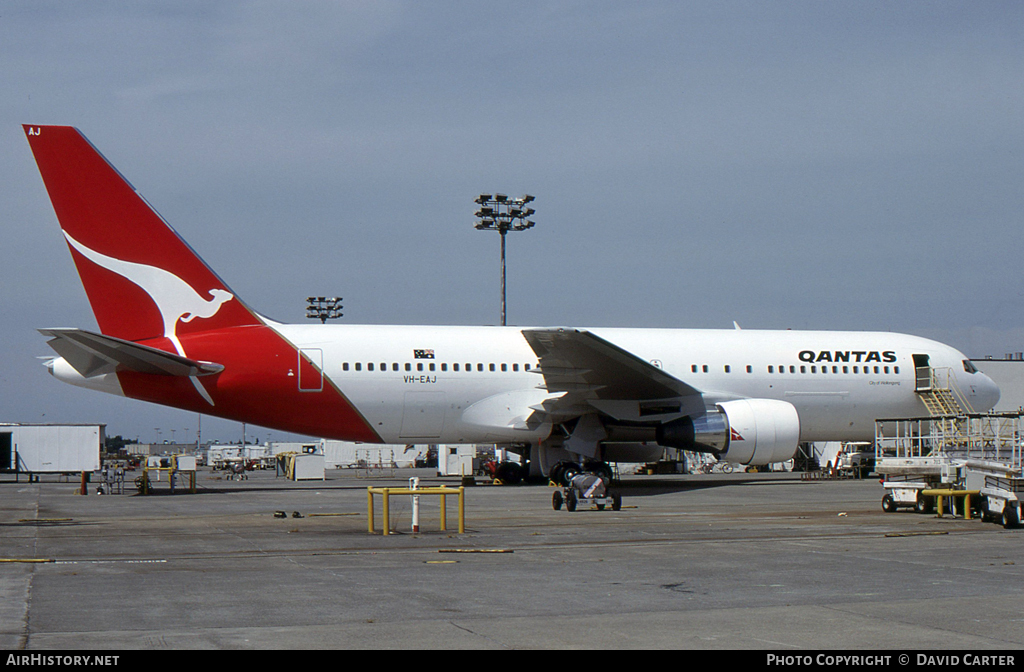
{"x": 747, "y": 431}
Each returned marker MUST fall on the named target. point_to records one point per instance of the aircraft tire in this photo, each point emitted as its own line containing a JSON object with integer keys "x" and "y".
{"x": 509, "y": 473}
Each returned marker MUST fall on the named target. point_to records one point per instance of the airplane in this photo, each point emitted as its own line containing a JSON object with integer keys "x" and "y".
{"x": 171, "y": 332}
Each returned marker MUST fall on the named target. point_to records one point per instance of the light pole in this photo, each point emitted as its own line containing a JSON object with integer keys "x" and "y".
{"x": 324, "y": 308}
{"x": 500, "y": 213}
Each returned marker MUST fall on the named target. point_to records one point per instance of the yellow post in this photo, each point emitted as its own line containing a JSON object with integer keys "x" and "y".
{"x": 444, "y": 513}
{"x": 369, "y": 510}
{"x": 462, "y": 510}
{"x": 387, "y": 512}
{"x": 967, "y": 506}
{"x": 941, "y": 503}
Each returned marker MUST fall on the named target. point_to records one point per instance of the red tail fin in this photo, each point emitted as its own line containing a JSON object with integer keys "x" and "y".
{"x": 142, "y": 279}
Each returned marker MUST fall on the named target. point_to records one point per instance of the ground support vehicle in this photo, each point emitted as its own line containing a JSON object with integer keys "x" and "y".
{"x": 974, "y": 455}
{"x": 586, "y": 489}
{"x": 1001, "y": 488}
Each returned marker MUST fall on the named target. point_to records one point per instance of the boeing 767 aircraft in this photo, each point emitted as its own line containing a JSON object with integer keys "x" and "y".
{"x": 172, "y": 332}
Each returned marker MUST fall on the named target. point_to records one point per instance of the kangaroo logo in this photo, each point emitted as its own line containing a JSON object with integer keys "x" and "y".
{"x": 174, "y": 298}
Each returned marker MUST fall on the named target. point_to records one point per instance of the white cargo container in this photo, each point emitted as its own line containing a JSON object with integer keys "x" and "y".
{"x": 456, "y": 460}
{"x": 308, "y": 468}
{"x": 50, "y": 449}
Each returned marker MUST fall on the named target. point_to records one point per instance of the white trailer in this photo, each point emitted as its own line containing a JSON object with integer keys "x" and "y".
{"x": 50, "y": 449}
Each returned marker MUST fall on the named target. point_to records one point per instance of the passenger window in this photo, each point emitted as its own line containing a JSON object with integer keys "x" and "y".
{"x": 814, "y": 369}
{"x": 750, "y": 369}
{"x": 527, "y": 367}
{"x": 490, "y": 367}
{"x": 504, "y": 367}
{"x": 394, "y": 366}
{"x": 344, "y": 366}
{"x": 846, "y": 369}
{"x": 408, "y": 366}
{"x": 792, "y": 369}
{"x": 369, "y": 367}
{"x": 705, "y": 368}
{"x": 771, "y": 369}
{"x": 515, "y": 367}
{"x": 444, "y": 367}
{"x": 359, "y": 366}
{"x": 896, "y": 370}
{"x": 455, "y": 367}
{"x": 876, "y": 369}
{"x": 727, "y": 368}
{"x": 432, "y": 366}
{"x": 694, "y": 368}
{"x": 479, "y": 367}
{"x": 803, "y": 369}
{"x": 419, "y": 366}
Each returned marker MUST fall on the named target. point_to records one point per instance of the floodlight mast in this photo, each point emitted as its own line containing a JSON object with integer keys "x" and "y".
{"x": 324, "y": 308}
{"x": 500, "y": 213}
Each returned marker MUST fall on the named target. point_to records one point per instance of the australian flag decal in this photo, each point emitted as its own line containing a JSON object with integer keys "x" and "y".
{"x": 423, "y": 354}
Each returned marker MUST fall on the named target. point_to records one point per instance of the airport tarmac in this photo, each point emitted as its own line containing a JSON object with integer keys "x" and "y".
{"x": 758, "y": 561}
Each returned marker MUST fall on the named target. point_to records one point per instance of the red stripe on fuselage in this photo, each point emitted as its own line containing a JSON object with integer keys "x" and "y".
{"x": 259, "y": 385}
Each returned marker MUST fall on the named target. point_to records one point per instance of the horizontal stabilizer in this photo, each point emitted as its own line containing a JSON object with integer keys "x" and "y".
{"x": 93, "y": 354}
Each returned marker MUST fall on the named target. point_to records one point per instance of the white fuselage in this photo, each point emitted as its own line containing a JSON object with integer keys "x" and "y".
{"x": 839, "y": 382}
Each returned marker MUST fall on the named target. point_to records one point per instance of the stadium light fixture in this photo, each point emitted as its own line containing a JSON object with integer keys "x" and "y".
{"x": 323, "y": 308}
{"x": 500, "y": 213}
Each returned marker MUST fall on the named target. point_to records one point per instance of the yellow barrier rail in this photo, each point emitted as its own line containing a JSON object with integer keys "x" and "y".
{"x": 441, "y": 490}
{"x": 940, "y": 495}
{"x": 145, "y": 485}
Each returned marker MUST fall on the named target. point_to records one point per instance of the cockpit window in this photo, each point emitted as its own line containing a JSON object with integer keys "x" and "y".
{"x": 968, "y": 367}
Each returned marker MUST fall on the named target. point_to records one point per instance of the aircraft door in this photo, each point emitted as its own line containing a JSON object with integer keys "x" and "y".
{"x": 311, "y": 370}
{"x": 922, "y": 373}
{"x": 422, "y": 415}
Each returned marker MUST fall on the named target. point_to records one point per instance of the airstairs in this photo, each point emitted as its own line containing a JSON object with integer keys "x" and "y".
{"x": 943, "y": 399}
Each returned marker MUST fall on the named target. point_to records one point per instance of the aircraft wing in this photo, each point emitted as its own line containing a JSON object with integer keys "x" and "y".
{"x": 592, "y": 373}
{"x": 93, "y": 354}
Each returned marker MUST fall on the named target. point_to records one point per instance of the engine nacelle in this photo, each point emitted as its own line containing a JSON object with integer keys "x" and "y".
{"x": 747, "y": 431}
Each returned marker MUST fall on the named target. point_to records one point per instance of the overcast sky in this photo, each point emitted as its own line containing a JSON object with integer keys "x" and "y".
{"x": 806, "y": 165}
